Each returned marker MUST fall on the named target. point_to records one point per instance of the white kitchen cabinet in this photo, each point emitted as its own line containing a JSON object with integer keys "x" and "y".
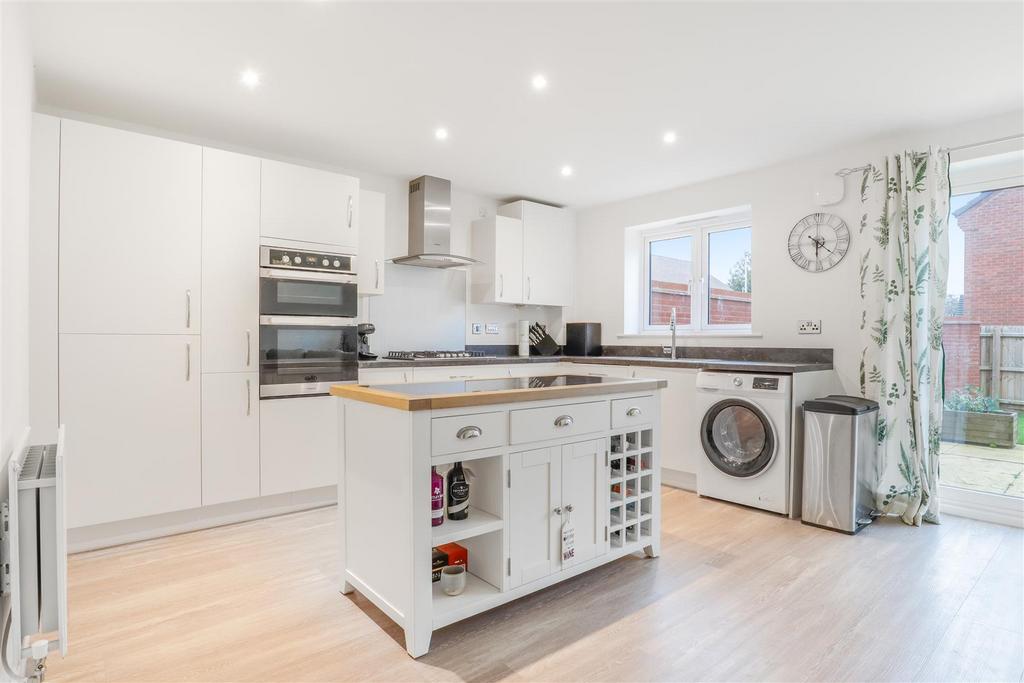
{"x": 231, "y": 436}
{"x": 298, "y": 444}
{"x": 231, "y": 247}
{"x": 585, "y": 491}
{"x": 131, "y": 405}
{"x": 497, "y": 242}
{"x": 309, "y": 205}
{"x": 535, "y": 490}
{"x": 680, "y": 436}
{"x": 130, "y": 232}
{"x": 372, "y": 243}
{"x": 548, "y": 235}
{"x": 549, "y": 486}
{"x": 385, "y": 375}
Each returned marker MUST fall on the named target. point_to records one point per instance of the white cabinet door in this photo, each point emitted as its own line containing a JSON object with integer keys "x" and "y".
{"x": 298, "y": 444}
{"x": 680, "y": 438}
{"x": 231, "y": 436}
{"x": 130, "y": 232}
{"x": 372, "y": 243}
{"x": 548, "y": 255}
{"x": 231, "y": 247}
{"x": 131, "y": 404}
{"x": 385, "y": 375}
{"x": 585, "y": 489}
{"x": 309, "y": 205}
{"x": 497, "y": 242}
{"x": 533, "y": 525}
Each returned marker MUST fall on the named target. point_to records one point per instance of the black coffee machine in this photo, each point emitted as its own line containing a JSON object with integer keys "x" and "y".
{"x": 364, "y": 331}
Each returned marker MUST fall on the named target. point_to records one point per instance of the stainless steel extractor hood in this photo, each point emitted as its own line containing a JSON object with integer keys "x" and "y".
{"x": 430, "y": 225}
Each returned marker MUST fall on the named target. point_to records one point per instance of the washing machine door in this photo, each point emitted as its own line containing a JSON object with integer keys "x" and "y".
{"x": 738, "y": 438}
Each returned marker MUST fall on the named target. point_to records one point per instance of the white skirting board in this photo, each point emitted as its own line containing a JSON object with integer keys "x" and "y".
{"x": 678, "y": 479}
{"x": 986, "y": 507}
{"x": 81, "y": 539}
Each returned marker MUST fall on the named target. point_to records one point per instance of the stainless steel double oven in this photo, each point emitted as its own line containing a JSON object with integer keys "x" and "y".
{"x": 308, "y": 309}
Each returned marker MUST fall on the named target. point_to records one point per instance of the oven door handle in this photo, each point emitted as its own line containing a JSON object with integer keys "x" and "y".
{"x": 307, "y": 275}
{"x": 307, "y": 320}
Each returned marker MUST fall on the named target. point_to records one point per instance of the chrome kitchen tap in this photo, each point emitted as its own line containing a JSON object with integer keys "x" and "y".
{"x": 671, "y": 326}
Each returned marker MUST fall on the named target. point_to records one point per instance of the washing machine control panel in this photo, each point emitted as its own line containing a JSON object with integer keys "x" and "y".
{"x": 767, "y": 383}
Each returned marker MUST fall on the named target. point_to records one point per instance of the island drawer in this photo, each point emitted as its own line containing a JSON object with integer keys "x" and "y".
{"x": 555, "y": 422}
{"x": 467, "y": 432}
{"x": 632, "y": 411}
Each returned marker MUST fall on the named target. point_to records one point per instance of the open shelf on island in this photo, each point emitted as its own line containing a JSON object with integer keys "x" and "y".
{"x": 478, "y": 523}
{"x": 451, "y": 608}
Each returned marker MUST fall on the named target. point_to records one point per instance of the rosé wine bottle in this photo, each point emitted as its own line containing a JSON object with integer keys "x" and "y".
{"x": 436, "y": 498}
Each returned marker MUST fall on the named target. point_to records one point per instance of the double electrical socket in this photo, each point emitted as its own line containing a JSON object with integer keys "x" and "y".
{"x": 478, "y": 328}
{"x": 809, "y": 327}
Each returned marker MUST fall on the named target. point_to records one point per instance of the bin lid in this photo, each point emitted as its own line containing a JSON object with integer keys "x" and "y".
{"x": 841, "y": 405}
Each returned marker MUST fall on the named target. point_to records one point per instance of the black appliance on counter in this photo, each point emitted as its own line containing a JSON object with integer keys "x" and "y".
{"x": 582, "y": 339}
{"x": 365, "y": 330}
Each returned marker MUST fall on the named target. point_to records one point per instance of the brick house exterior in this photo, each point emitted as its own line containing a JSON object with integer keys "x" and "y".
{"x": 993, "y": 227}
{"x": 669, "y": 288}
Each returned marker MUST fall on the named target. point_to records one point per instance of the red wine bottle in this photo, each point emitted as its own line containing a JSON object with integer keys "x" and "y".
{"x": 458, "y": 493}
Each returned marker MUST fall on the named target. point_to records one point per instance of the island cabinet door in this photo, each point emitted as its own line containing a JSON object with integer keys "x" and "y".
{"x": 535, "y": 490}
{"x": 584, "y": 498}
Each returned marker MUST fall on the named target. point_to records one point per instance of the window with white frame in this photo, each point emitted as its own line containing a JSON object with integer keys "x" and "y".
{"x": 700, "y": 268}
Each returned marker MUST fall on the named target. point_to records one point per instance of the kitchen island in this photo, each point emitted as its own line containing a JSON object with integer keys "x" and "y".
{"x": 547, "y": 455}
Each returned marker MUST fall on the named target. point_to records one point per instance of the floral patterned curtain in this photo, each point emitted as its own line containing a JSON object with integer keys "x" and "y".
{"x": 904, "y": 264}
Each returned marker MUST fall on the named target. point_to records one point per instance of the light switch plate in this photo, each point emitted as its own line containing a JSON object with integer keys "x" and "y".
{"x": 492, "y": 328}
{"x": 809, "y": 327}
{"x": 478, "y": 328}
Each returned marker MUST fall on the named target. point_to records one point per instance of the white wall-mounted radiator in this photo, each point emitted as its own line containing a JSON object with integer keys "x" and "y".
{"x": 35, "y": 567}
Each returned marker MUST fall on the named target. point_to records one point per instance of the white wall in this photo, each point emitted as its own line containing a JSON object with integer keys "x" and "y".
{"x": 16, "y": 100}
{"x": 780, "y": 196}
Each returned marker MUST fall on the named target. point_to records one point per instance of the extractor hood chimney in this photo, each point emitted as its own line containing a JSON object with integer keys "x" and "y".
{"x": 430, "y": 225}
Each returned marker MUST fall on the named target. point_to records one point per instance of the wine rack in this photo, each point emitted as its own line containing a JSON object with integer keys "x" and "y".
{"x": 631, "y": 484}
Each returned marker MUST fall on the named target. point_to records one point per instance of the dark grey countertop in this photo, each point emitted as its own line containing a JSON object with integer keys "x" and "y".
{"x": 783, "y": 367}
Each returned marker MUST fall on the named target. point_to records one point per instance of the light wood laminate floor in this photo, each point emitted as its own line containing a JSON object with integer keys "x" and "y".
{"x": 736, "y": 595}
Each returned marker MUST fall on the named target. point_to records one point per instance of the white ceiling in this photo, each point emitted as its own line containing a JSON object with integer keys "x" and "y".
{"x": 364, "y": 85}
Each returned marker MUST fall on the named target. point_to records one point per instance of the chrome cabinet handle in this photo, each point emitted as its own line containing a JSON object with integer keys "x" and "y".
{"x": 470, "y": 432}
{"x": 405, "y": 376}
{"x": 501, "y": 285}
{"x": 633, "y": 412}
{"x": 569, "y": 508}
{"x": 460, "y": 376}
{"x": 376, "y": 282}
{"x": 188, "y": 362}
{"x": 248, "y": 348}
{"x": 188, "y": 308}
{"x": 563, "y": 420}
{"x": 529, "y": 288}
{"x": 350, "y": 211}
{"x": 248, "y": 397}
{"x": 557, "y": 511}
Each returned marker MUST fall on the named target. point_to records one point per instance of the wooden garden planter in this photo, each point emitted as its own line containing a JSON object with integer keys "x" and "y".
{"x": 998, "y": 428}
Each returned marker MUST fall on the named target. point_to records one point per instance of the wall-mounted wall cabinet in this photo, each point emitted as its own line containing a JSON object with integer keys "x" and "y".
{"x": 372, "y": 243}
{"x": 527, "y": 256}
{"x": 309, "y": 205}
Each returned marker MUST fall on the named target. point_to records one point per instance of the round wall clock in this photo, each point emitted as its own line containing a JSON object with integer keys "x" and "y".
{"x": 819, "y": 241}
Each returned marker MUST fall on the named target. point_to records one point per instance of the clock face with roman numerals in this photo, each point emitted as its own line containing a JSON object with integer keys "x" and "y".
{"x": 819, "y": 242}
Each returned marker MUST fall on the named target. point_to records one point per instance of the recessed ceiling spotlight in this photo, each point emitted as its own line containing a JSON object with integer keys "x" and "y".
{"x": 250, "y": 78}
{"x": 539, "y": 82}
{"x": 669, "y": 137}
{"x": 567, "y": 171}
{"x": 441, "y": 133}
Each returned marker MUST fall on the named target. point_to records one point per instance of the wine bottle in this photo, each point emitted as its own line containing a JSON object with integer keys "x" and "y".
{"x": 458, "y": 493}
{"x": 436, "y": 498}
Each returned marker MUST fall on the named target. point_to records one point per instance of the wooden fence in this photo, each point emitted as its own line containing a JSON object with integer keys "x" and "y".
{"x": 1002, "y": 364}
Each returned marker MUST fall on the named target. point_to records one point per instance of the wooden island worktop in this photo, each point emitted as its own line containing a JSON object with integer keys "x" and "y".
{"x": 480, "y": 392}
{"x": 549, "y": 458}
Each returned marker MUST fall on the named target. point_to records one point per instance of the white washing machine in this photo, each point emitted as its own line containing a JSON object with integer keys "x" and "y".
{"x": 745, "y": 423}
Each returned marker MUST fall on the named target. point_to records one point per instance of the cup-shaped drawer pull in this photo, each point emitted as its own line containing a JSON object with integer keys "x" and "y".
{"x": 563, "y": 420}
{"x": 470, "y": 432}
{"x": 633, "y": 412}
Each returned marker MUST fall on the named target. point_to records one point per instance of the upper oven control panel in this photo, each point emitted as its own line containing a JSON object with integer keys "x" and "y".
{"x": 273, "y": 257}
